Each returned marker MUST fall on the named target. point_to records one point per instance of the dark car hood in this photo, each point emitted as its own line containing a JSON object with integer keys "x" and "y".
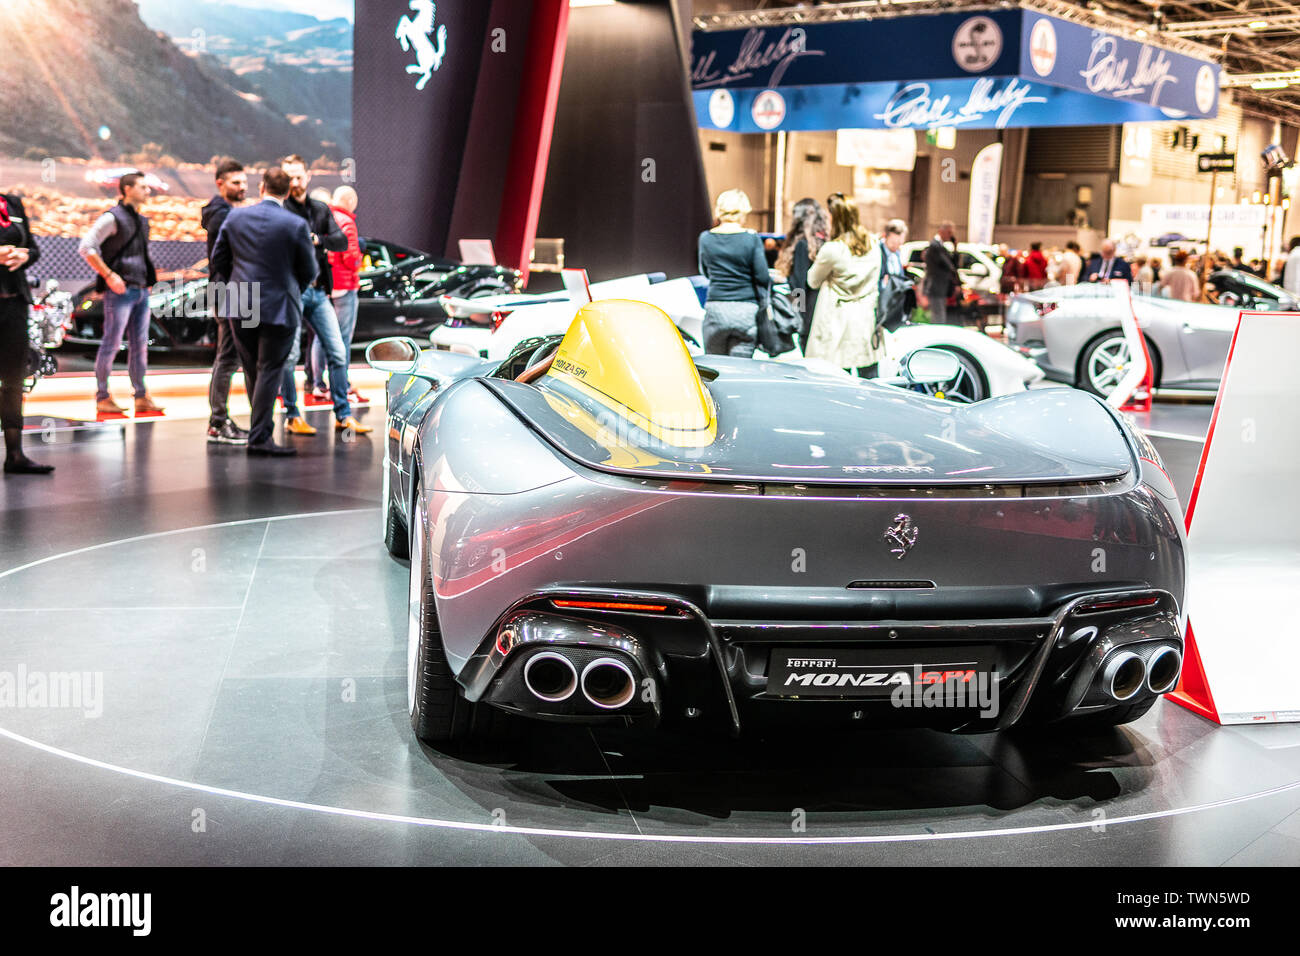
{"x": 782, "y": 423}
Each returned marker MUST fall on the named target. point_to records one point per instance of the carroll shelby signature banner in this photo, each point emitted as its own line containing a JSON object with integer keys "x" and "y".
{"x": 985, "y": 70}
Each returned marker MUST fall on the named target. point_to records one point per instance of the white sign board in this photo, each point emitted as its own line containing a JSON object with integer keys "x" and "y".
{"x": 876, "y": 148}
{"x": 1191, "y": 218}
{"x": 1243, "y": 537}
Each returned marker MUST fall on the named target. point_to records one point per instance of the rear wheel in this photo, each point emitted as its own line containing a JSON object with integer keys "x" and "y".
{"x": 439, "y": 713}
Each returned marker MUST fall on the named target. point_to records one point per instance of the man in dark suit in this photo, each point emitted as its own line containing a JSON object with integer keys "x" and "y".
{"x": 268, "y": 255}
{"x": 941, "y": 272}
{"x": 1107, "y": 267}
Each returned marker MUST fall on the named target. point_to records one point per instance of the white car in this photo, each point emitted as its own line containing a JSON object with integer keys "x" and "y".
{"x": 979, "y": 267}
{"x": 493, "y": 326}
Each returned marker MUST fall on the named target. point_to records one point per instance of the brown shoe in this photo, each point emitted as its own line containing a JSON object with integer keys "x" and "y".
{"x": 109, "y": 407}
{"x": 352, "y": 425}
{"x": 146, "y": 406}
{"x": 299, "y": 426}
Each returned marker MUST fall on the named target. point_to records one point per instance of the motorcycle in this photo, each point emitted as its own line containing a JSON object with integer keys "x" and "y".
{"x": 48, "y": 320}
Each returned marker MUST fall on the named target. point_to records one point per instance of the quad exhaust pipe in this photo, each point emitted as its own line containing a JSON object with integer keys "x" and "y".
{"x": 550, "y": 676}
{"x": 606, "y": 682}
{"x": 1163, "y": 669}
{"x": 1126, "y": 674}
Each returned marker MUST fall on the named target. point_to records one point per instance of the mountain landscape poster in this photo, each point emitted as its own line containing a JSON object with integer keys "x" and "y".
{"x": 96, "y": 88}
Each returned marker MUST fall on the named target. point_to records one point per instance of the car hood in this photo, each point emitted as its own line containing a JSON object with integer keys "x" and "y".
{"x": 781, "y": 423}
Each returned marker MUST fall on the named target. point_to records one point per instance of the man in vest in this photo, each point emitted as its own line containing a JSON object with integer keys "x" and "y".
{"x": 117, "y": 248}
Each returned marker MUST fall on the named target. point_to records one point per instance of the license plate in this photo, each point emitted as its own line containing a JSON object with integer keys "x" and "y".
{"x": 873, "y": 672}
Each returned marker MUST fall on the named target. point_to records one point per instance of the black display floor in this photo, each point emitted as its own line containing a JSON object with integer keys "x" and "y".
{"x": 236, "y": 633}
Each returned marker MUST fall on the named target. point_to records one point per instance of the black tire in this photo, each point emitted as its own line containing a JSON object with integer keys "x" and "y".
{"x": 439, "y": 713}
{"x": 968, "y": 387}
{"x": 1108, "y": 340}
{"x": 396, "y": 539}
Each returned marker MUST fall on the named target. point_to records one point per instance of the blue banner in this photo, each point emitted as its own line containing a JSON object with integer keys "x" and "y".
{"x": 1001, "y": 102}
{"x": 986, "y": 69}
{"x": 858, "y": 51}
{"x": 1091, "y": 61}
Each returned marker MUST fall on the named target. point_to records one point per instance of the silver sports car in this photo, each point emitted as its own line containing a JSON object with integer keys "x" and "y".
{"x": 604, "y": 529}
{"x": 1073, "y": 332}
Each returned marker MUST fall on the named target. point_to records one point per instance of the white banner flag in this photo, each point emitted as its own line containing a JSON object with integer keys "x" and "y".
{"x": 985, "y": 174}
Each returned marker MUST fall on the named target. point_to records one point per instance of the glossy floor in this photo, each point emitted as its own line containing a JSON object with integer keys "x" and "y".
{"x": 237, "y": 635}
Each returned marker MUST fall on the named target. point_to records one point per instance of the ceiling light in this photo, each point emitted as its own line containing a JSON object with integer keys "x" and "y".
{"x": 1257, "y": 24}
{"x": 1270, "y": 84}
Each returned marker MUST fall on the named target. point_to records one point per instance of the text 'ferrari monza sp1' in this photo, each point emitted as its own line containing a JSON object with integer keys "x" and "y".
{"x": 602, "y": 528}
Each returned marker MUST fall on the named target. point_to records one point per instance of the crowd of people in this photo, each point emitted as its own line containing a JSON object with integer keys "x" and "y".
{"x": 277, "y": 269}
{"x": 843, "y": 280}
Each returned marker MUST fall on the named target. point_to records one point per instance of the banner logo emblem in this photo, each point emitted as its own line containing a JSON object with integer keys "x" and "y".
{"x": 417, "y": 33}
{"x": 977, "y": 44}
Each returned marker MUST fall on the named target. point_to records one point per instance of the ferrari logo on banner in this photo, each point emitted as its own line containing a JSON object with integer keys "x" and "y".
{"x": 417, "y": 32}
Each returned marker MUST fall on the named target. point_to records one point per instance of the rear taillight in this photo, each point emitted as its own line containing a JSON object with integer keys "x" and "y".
{"x": 1117, "y": 604}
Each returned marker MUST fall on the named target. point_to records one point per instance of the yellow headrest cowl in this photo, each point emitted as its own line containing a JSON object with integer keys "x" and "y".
{"x": 629, "y": 357}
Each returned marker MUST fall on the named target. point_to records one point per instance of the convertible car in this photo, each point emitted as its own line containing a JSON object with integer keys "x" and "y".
{"x": 401, "y": 291}
{"x": 603, "y": 528}
{"x": 1073, "y": 332}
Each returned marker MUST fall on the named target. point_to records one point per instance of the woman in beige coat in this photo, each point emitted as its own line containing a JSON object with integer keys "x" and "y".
{"x": 847, "y": 271}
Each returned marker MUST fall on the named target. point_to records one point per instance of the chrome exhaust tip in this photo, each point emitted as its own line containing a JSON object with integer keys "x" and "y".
{"x": 550, "y": 676}
{"x": 1163, "y": 670}
{"x": 608, "y": 683}
{"x": 1124, "y": 676}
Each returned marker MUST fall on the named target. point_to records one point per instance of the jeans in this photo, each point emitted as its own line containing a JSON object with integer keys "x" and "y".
{"x": 319, "y": 314}
{"x": 345, "y": 307}
{"x": 224, "y": 365}
{"x": 127, "y": 313}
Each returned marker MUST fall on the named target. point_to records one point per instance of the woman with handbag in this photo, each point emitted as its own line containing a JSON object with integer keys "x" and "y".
{"x": 847, "y": 271}
{"x": 18, "y": 250}
{"x": 731, "y": 257}
{"x": 809, "y": 227}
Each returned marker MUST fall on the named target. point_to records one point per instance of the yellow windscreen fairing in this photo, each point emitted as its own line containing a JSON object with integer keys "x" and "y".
{"x": 629, "y": 357}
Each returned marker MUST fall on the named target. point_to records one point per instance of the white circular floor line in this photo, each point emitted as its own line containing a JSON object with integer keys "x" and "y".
{"x": 646, "y": 837}
{"x": 545, "y": 831}
{"x": 163, "y": 534}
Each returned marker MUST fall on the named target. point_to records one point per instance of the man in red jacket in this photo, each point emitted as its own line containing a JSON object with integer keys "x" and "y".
{"x": 1034, "y": 268}
{"x": 345, "y": 266}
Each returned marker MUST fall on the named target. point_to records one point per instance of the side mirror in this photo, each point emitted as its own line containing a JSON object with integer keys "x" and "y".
{"x": 931, "y": 366}
{"x": 393, "y": 355}
{"x": 979, "y": 269}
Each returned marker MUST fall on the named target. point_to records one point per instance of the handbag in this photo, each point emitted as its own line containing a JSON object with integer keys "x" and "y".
{"x": 778, "y": 323}
{"x": 892, "y": 310}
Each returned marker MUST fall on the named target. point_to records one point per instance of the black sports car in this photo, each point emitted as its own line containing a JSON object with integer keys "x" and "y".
{"x": 399, "y": 295}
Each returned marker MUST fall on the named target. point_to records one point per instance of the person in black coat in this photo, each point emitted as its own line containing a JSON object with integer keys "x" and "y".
{"x": 810, "y": 225}
{"x": 941, "y": 271}
{"x": 232, "y": 185}
{"x": 269, "y": 250}
{"x": 18, "y": 251}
